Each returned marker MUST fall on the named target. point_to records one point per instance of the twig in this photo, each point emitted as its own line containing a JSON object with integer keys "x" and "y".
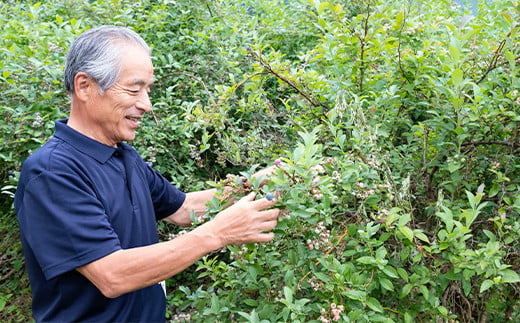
{"x": 512, "y": 144}
{"x": 362, "y": 40}
{"x": 494, "y": 60}
{"x": 270, "y": 70}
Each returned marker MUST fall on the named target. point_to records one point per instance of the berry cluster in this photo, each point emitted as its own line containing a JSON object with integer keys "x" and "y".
{"x": 323, "y": 243}
{"x": 181, "y": 317}
{"x": 333, "y": 314}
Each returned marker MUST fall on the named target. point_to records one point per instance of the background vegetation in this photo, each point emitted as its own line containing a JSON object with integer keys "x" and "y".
{"x": 397, "y": 123}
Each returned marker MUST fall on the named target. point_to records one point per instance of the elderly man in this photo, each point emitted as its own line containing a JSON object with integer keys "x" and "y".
{"x": 87, "y": 203}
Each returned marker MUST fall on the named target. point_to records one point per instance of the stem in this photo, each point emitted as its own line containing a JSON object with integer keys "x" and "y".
{"x": 270, "y": 70}
{"x": 362, "y": 40}
{"x": 494, "y": 60}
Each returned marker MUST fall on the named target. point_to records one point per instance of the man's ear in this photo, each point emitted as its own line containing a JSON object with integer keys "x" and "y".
{"x": 83, "y": 86}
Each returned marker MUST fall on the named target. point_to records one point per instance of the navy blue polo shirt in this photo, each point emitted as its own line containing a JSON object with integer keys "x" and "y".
{"x": 77, "y": 201}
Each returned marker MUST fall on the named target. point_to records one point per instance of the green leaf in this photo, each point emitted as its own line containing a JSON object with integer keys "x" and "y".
{"x": 392, "y": 215}
{"x": 424, "y": 290}
{"x": 456, "y": 77}
{"x": 404, "y": 219}
{"x": 508, "y": 18}
{"x": 366, "y": 260}
{"x": 406, "y": 290}
{"x": 390, "y": 271}
{"x": 442, "y": 310}
{"x": 386, "y": 284}
{"x": 355, "y": 295}
{"x": 421, "y": 236}
{"x": 3, "y": 301}
{"x": 486, "y": 284}
{"x": 447, "y": 218}
{"x": 381, "y": 252}
{"x": 403, "y": 274}
{"x": 407, "y": 232}
{"x": 374, "y": 304}
{"x": 509, "y": 276}
{"x": 288, "y": 294}
{"x": 251, "y": 302}
{"x": 454, "y": 53}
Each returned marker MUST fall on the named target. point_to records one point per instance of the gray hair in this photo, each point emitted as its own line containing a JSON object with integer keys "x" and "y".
{"x": 96, "y": 52}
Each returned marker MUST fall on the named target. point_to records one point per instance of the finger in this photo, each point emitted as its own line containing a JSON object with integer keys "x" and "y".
{"x": 265, "y": 237}
{"x": 268, "y": 226}
{"x": 271, "y": 214}
{"x": 264, "y": 203}
{"x": 249, "y": 197}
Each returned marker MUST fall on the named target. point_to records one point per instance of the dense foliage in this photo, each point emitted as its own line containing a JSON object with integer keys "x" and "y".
{"x": 395, "y": 125}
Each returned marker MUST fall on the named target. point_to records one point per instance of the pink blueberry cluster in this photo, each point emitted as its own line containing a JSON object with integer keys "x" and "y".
{"x": 333, "y": 314}
{"x": 323, "y": 243}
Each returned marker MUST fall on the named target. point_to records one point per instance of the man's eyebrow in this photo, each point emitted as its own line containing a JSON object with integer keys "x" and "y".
{"x": 142, "y": 83}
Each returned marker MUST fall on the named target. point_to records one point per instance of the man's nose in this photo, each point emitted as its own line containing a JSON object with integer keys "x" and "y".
{"x": 144, "y": 102}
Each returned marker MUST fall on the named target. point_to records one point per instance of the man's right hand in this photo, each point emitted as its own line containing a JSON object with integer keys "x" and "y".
{"x": 248, "y": 220}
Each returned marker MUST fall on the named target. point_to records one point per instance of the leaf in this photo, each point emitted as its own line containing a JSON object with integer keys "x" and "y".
{"x": 421, "y": 236}
{"x": 509, "y": 276}
{"x": 355, "y": 295}
{"x": 3, "y": 301}
{"x": 386, "y": 284}
{"x": 403, "y": 274}
{"x": 424, "y": 290}
{"x": 390, "y": 271}
{"x": 404, "y": 219}
{"x": 251, "y": 302}
{"x": 456, "y": 77}
{"x": 490, "y": 235}
{"x": 321, "y": 7}
{"x": 507, "y": 18}
{"x": 407, "y": 232}
{"x": 454, "y": 53}
{"x": 486, "y": 284}
{"x": 374, "y": 304}
{"x": 442, "y": 310}
{"x": 381, "y": 253}
{"x": 288, "y": 294}
{"x": 447, "y": 218}
{"x": 366, "y": 260}
{"x": 392, "y": 215}
{"x": 406, "y": 290}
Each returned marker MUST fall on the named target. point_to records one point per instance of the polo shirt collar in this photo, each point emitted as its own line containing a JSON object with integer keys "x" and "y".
{"x": 86, "y": 145}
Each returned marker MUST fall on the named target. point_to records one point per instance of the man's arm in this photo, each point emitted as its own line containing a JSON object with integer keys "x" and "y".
{"x": 131, "y": 269}
{"x": 195, "y": 203}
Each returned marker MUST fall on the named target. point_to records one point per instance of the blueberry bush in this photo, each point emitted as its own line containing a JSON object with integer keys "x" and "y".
{"x": 392, "y": 126}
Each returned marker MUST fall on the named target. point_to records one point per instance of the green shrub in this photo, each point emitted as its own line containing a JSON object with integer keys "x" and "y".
{"x": 397, "y": 124}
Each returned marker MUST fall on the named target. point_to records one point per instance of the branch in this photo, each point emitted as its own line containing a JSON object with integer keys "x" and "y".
{"x": 270, "y": 70}
{"x": 363, "y": 43}
{"x": 512, "y": 144}
{"x": 494, "y": 60}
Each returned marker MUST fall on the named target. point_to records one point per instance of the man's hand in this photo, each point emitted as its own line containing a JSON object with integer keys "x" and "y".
{"x": 265, "y": 172}
{"x": 248, "y": 220}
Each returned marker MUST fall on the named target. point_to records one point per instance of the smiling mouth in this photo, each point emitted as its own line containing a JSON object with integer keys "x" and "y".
{"x": 134, "y": 121}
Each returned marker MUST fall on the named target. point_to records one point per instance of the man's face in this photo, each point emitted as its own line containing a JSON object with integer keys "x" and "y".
{"x": 115, "y": 115}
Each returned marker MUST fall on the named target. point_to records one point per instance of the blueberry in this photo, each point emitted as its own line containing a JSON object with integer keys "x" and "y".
{"x": 269, "y": 196}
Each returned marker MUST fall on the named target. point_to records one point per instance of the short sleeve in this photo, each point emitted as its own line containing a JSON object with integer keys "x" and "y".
{"x": 64, "y": 223}
{"x": 166, "y": 197}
